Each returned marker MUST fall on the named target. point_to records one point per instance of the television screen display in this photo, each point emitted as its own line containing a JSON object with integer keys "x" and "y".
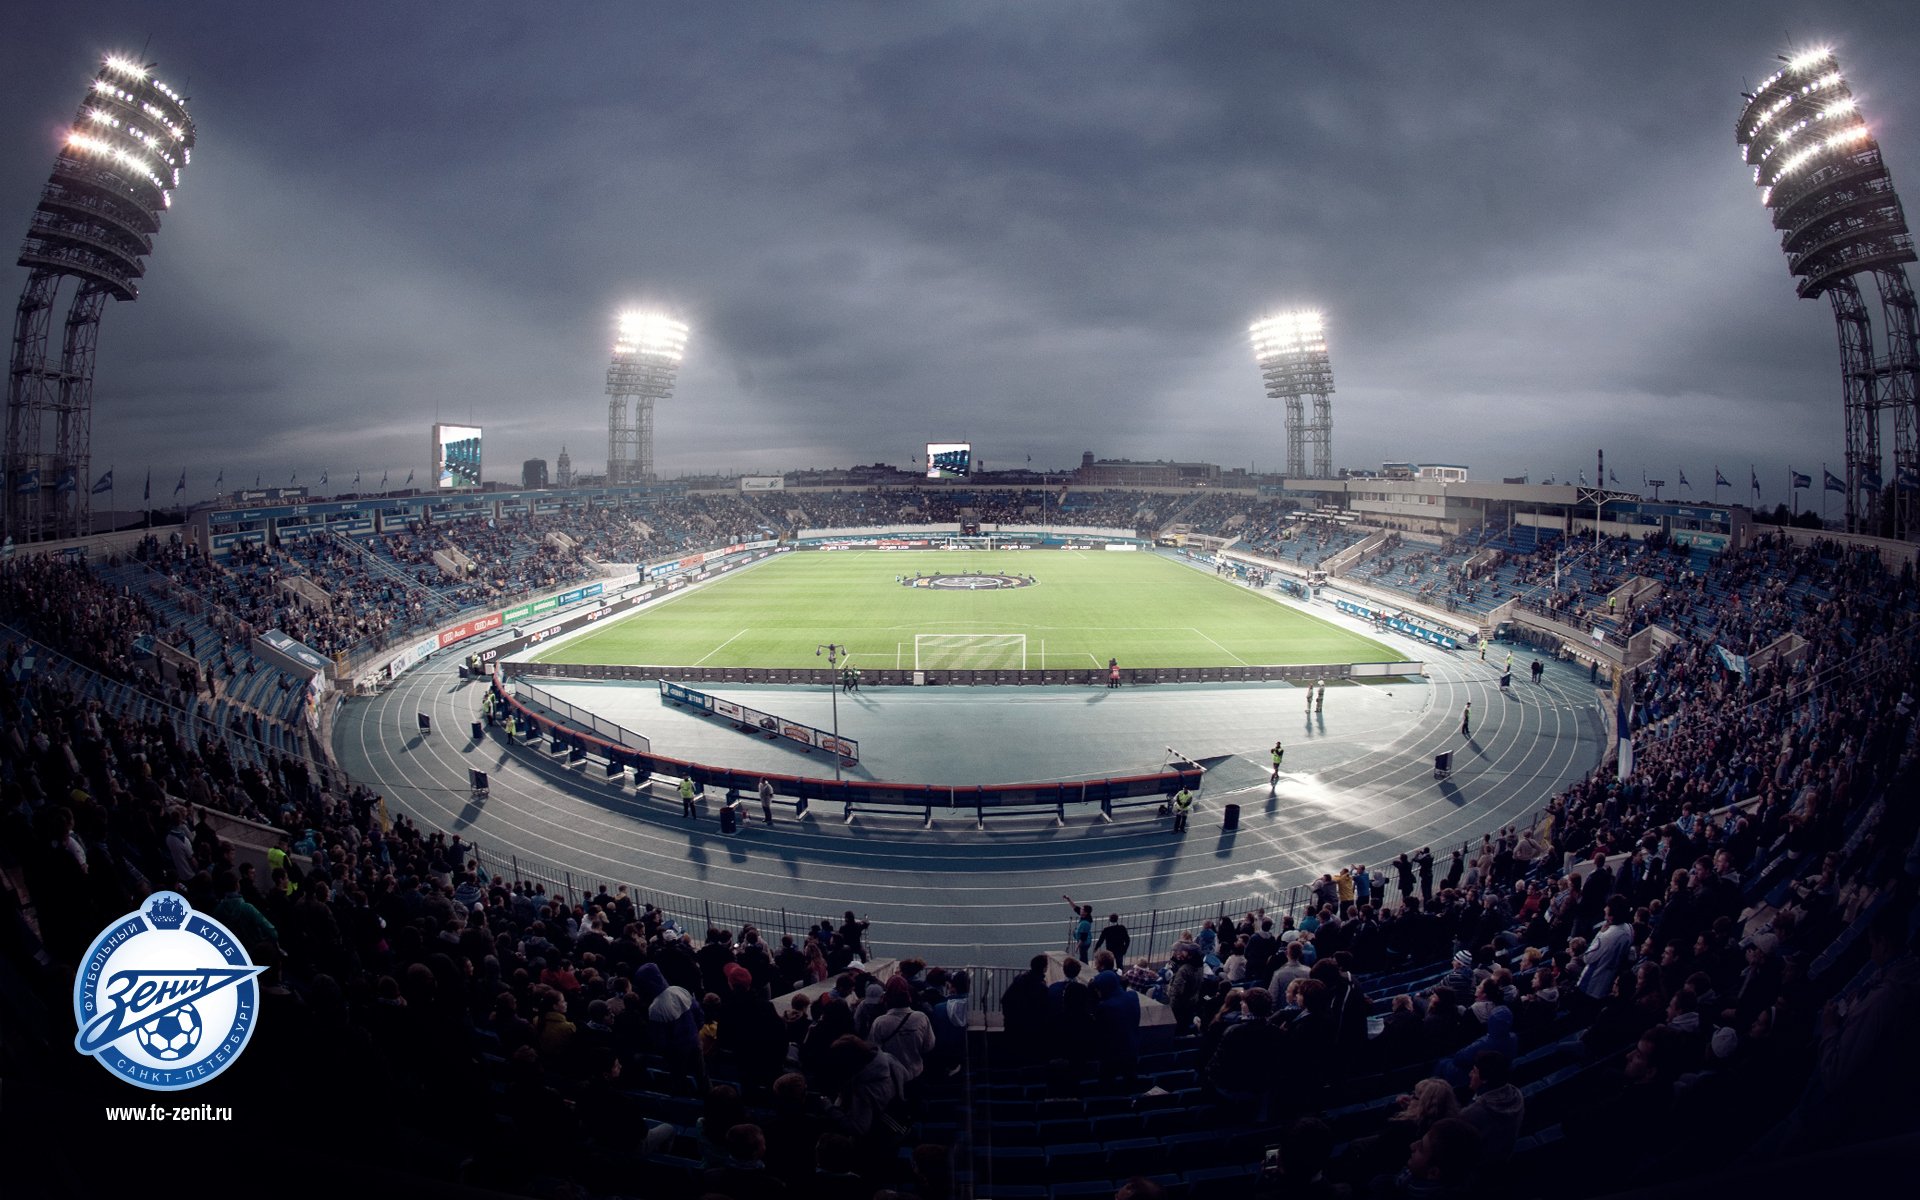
{"x": 949, "y": 460}
{"x": 456, "y": 456}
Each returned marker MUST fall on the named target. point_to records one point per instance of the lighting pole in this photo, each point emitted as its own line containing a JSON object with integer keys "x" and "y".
{"x": 833, "y": 652}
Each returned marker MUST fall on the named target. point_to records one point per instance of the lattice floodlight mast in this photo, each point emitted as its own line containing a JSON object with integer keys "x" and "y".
{"x": 1291, "y": 348}
{"x": 646, "y": 358}
{"x": 1819, "y": 170}
{"x": 95, "y": 222}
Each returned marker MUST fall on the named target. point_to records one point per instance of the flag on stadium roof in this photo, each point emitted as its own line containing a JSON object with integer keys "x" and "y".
{"x": 104, "y": 483}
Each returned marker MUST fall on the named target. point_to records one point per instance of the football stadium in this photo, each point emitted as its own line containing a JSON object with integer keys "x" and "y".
{"x": 1122, "y": 828}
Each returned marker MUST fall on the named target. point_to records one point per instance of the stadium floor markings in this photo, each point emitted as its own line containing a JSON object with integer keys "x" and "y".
{"x": 717, "y": 649}
{"x": 1222, "y": 649}
{"x": 1136, "y": 842}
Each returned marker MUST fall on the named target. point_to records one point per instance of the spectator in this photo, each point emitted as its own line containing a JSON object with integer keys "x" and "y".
{"x": 1498, "y": 1107}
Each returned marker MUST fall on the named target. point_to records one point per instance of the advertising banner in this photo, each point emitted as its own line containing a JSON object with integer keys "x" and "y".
{"x": 754, "y": 720}
{"x": 467, "y": 629}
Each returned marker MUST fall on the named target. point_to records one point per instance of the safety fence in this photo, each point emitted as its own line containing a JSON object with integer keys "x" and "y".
{"x": 524, "y": 724}
{"x": 582, "y": 718}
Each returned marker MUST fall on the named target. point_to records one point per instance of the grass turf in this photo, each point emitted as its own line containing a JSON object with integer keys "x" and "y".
{"x": 1143, "y": 609}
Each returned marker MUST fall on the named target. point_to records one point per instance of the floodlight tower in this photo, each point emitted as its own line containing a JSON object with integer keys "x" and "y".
{"x": 646, "y": 357}
{"x": 113, "y": 178}
{"x": 1819, "y": 170}
{"x": 1291, "y": 348}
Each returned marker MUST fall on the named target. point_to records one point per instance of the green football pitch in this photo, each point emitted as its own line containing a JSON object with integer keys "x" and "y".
{"x": 1082, "y": 609}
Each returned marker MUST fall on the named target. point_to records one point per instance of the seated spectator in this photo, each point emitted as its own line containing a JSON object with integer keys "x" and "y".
{"x": 1498, "y": 1108}
{"x": 1442, "y": 1164}
{"x": 1385, "y": 1153}
{"x": 1498, "y": 1039}
{"x": 742, "y": 1173}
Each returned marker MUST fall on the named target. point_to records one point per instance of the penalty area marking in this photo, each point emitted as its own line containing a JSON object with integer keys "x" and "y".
{"x": 717, "y": 649}
{"x": 1222, "y": 649}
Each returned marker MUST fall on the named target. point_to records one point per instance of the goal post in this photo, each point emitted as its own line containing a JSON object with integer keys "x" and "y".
{"x": 969, "y": 651}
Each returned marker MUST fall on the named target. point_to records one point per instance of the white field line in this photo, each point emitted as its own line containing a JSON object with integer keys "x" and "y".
{"x": 717, "y": 649}
{"x": 1216, "y": 645}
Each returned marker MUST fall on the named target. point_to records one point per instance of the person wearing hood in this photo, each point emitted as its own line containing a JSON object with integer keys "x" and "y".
{"x": 1498, "y": 1108}
{"x": 677, "y": 962}
{"x": 1116, "y": 1017}
{"x": 1499, "y": 1039}
{"x": 674, "y": 1019}
{"x": 874, "y": 1080}
{"x": 750, "y": 1029}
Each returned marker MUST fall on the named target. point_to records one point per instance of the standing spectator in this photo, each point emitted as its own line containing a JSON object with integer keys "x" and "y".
{"x": 1609, "y": 953}
{"x": 1114, "y": 939}
{"x": 902, "y": 1030}
{"x": 1080, "y": 930}
{"x": 1423, "y": 861}
{"x": 1117, "y": 1026}
{"x": 1023, "y": 1010}
{"x": 853, "y": 934}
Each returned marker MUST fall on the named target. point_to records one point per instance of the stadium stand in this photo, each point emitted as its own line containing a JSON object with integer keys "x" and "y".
{"x": 1661, "y": 977}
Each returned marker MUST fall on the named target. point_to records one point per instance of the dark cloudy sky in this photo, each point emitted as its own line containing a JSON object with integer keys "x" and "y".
{"x": 1043, "y": 226}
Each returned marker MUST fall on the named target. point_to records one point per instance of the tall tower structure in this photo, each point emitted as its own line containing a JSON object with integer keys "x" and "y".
{"x": 563, "y": 469}
{"x": 1291, "y": 349}
{"x": 1819, "y": 172}
{"x": 93, "y": 228}
{"x": 646, "y": 358}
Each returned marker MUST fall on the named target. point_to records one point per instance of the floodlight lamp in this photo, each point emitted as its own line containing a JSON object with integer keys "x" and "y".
{"x": 651, "y": 335}
{"x": 125, "y": 66}
{"x": 1811, "y": 58}
{"x": 1289, "y": 333}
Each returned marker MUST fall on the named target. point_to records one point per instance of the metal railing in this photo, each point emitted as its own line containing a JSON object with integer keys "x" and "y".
{"x": 581, "y": 717}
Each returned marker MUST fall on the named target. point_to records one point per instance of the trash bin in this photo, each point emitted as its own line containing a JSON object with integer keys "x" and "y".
{"x": 1443, "y": 765}
{"x": 478, "y": 736}
{"x": 729, "y": 818}
{"x": 1230, "y": 817}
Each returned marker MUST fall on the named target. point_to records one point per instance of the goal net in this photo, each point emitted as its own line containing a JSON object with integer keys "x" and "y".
{"x": 969, "y": 651}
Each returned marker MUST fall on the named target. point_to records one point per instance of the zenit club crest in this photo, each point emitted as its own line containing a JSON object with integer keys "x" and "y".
{"x": 166, "y": 997}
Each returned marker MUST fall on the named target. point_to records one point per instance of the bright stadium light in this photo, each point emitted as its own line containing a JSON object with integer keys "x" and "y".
{"x": 646, "y": 355}
{"x": 98, "y": 213}
{"x": 1291, "y": 348}
{"x": 1831, "y": 200}
{"x": 1810, "y": 59}
{"x": 651, "y": 335}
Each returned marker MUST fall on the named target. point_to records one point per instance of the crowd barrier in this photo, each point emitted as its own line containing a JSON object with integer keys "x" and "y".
{"x": 577, "y": 746}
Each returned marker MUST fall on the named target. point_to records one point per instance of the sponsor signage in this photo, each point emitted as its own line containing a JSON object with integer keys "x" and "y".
{"x": 467, "y": 629}
{"x": 756, "y": 721}
{"x": 762, "y": 483}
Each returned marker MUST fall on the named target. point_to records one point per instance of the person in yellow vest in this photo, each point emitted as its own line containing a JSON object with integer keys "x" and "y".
{"x": 686, "y": 796}
{"x": 277, "y": 856}
{"x": 1182, "y": 805}
{"x": 1279, "y": 756}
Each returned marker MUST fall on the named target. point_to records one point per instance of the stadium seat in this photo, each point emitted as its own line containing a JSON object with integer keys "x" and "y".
{"x": 1076, "y": 1160}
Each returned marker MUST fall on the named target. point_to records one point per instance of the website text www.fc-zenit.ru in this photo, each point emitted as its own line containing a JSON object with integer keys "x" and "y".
{"x": 171, "y": 1112}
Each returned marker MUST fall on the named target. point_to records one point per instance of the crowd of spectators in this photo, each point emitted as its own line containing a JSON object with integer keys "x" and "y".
{"x": 1057, "y": 505}
{"x": 1716, "y": 947}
